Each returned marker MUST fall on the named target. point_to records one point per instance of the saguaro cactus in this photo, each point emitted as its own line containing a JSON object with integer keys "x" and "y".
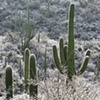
{"x": 97, "y": 67}
{"x": 33, "y": 89}
{"x": 71, "y": 54}
{"x": 26, "y": 31}
{"x": 67, "y": 53}
{"x": 9, "y": 82}
{"x": 45, "y": 61}
{"x": 26, "y": 67}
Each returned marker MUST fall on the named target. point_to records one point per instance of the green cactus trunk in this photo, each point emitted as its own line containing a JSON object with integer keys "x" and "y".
{"x": 45, "y": 61}
{"x": 9, "y": 82}
{"x": 71, "y": 61}
{"x": 26, "y": 69}
{"x": 33, "y": 89}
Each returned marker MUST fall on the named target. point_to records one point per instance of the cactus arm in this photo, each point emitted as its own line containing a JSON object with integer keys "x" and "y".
{"x": 56, "y": 59}
{"x": 33, "y": 89}
{"x": 26, "y": 69}
{"x": 84, "y": 65}
{"x": 71, "y": 62}
{"x": 88, "y": 52}
{"x": 9, "y": 82}
{"x": 66, "y": 54}
{"x": 61, "y": 45}
{"x": 85, "y": 62}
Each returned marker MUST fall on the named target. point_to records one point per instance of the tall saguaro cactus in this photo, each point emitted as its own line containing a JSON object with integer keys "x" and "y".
{"x": 33, "y": 89}
{"x": 71, "y": 55}
{"x": 67, "y": 53}
{"x": 26, "y": 67}
{"x": 9, "y": 82}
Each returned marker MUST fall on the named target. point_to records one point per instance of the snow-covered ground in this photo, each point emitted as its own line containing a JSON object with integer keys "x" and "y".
{"x": 51, "y": 26}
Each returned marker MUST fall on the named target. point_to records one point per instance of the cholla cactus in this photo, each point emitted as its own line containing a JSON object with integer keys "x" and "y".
{"x": 9, "y": 82}
{"x": 67, "y": 53}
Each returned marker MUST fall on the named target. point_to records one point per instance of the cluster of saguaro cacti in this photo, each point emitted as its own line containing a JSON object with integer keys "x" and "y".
{"x": 30, "y": 73}
{"x": 9, "y": 82}
{"x": 67, "y": 52}
{"x": 66, "y": 63}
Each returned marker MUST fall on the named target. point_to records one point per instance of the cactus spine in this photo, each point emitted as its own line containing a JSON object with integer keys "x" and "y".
{"x": 9, "y": 82}
{"x": 33, "y": 89}
{"x": 67, "y": 53}
{"x": 26, "y": 68}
